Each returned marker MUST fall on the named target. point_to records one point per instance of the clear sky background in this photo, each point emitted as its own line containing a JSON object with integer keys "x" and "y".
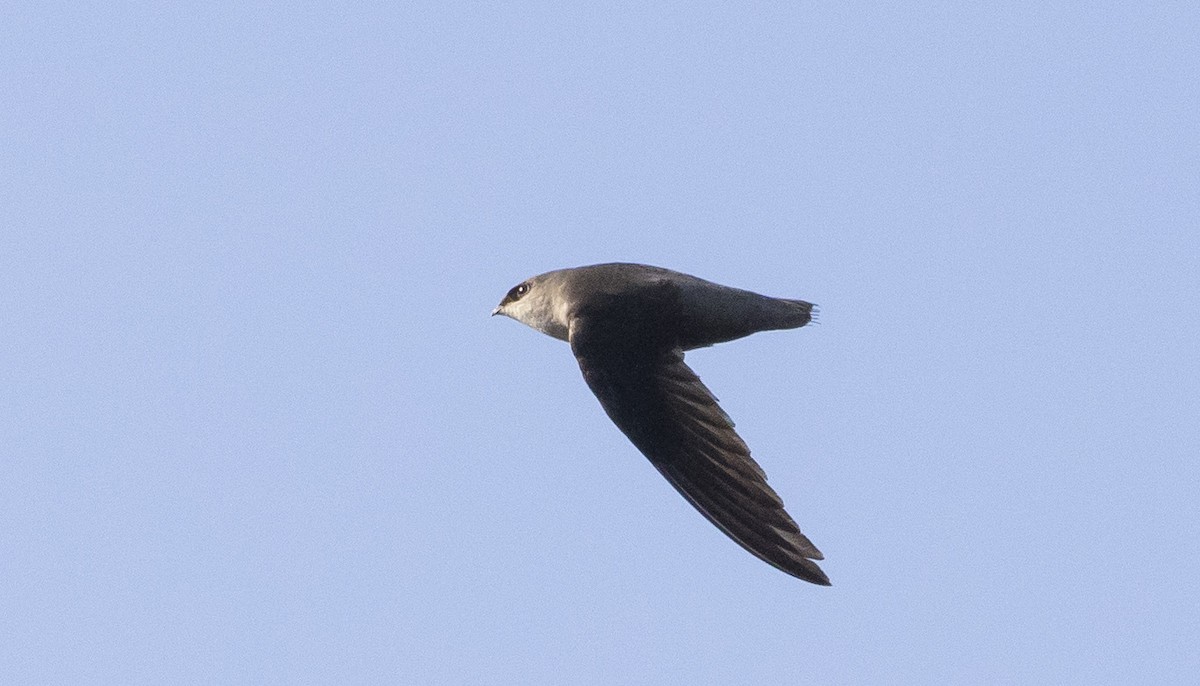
{"x": 256, "y": 425}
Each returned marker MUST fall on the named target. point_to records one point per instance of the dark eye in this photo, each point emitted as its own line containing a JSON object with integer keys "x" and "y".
{"x": 516, "y": 293}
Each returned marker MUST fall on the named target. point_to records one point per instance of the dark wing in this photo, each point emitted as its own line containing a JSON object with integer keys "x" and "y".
{"x": 628, "y": 358}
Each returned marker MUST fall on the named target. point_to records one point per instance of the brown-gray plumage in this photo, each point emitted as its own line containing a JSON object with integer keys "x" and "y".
{"x": 628, "y": 326}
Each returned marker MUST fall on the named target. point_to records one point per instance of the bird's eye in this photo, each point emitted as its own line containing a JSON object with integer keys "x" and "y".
{"x": 516, "y": 293}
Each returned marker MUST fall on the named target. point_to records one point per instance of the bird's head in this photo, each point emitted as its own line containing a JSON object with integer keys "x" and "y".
{"x": 537, "y": 302}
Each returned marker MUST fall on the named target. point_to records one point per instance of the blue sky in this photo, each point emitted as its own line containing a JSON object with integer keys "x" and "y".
{"x": 257, "y": 426}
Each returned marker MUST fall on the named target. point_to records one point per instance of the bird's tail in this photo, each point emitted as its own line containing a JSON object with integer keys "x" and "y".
{"x": 725, "y": 314}
{"x": 789, "y": 314}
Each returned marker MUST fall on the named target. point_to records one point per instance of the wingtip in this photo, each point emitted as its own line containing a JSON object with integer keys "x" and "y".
{"x": 800, "y": 562}
{"x": 810, "y": 572}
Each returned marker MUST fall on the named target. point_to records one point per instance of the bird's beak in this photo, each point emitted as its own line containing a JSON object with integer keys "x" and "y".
{"x": 495, "y": 311}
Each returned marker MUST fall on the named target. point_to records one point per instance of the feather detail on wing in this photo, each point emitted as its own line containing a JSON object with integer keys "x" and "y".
{"x": 666, "y": 411}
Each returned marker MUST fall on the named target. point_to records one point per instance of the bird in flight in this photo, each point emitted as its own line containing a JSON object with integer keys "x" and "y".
{"x": 628, "y": 326}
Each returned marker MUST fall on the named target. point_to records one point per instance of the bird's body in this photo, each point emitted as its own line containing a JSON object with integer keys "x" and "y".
{"x": 628, "y": 326}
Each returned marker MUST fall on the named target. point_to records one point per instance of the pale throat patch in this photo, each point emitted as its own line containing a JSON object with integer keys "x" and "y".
{"x": 537, "y": 311}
